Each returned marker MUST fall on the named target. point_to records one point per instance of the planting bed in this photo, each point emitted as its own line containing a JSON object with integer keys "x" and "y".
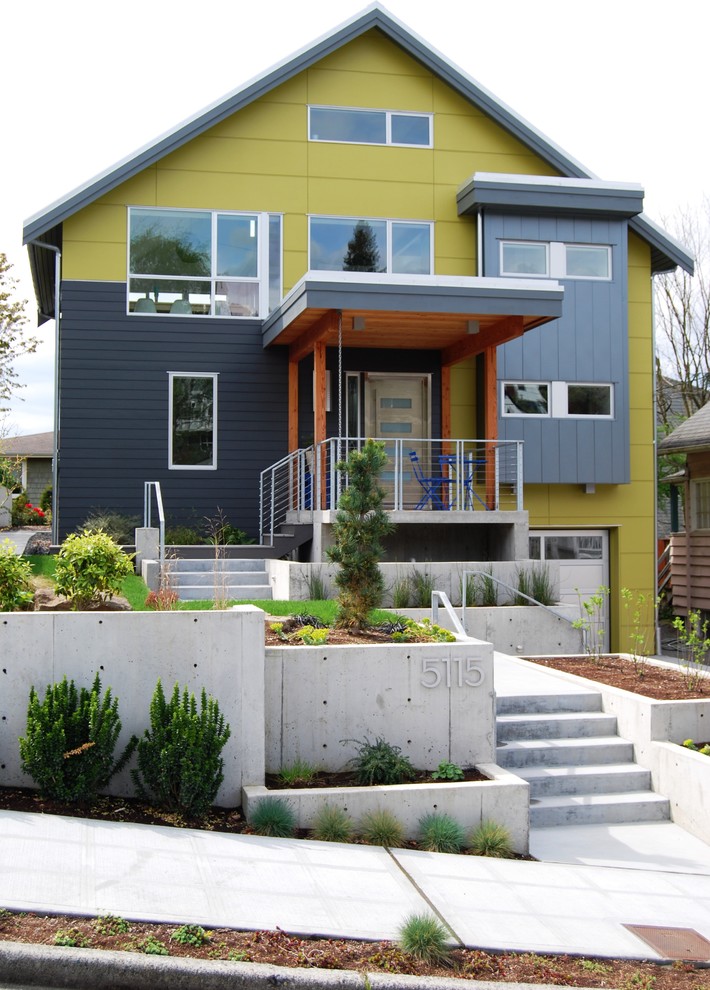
{"x": 646, "y": 678}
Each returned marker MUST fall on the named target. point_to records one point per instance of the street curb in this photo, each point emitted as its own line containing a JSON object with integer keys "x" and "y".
{"x": 85, "y": 969}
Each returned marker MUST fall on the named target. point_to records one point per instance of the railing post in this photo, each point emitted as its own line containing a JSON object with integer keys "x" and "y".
{"x": 273, "y": 503}
{"x": 496, "y": 475}
{"x": 519, "y": 474}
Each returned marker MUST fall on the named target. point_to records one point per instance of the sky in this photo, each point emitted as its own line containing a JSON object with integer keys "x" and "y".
{"x": 621, "y": 85}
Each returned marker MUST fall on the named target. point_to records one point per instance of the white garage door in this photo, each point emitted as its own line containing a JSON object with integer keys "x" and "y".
{"x": 583, "y": 556}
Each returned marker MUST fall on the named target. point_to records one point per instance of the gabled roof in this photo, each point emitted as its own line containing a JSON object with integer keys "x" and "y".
{"x": 690, "y": 436}
{"x": 666, "y": 252}
{"x": 32, "y": 445}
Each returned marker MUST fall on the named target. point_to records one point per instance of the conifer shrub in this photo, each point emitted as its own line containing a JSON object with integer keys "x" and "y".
{"x": 90, "y": 568}
{"x": 70, "y": 742}
{"x": 179, "y": 762}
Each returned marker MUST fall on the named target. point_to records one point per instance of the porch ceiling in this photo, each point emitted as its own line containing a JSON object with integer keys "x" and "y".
{"x": 424, "y": 313}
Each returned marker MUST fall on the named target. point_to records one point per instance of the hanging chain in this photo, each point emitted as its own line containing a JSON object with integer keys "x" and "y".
{"x": 340, "y": 379}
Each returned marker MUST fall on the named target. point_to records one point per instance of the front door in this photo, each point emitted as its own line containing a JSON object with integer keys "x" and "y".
{"x": 398, "y": 407}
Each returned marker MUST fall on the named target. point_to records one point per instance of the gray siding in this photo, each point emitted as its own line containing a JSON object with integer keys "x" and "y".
{"x": 114, "y": 411}
{"x": 589, "y": 343}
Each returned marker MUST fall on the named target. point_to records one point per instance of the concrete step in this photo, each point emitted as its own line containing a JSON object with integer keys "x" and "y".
{"x": 615, "y": 778}
{"x": 569, "y": 725}
{"x": 197, "y": 592}
{"x": 577, "y": 701}
{"x": 594, "y": 809}
{"x": 231, "y": 564}
{"x": 210, "y": 579}
{"x": 564, "y": 752}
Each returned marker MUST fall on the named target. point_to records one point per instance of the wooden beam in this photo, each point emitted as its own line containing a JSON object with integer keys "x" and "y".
{"x": 292, "y": 405}
{"x": 446, "y": 402}
{"x": 490, "y": 418}
{"x": 318, "y": 333}
{"x": 319, "y": 388}
{"x": 507, "y": 328}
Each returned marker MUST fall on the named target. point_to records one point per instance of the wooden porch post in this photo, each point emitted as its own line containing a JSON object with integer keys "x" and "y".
{"x": 446, "y": 401}
{"x": 292, "y": 405}
{"x": 319, "y": 399}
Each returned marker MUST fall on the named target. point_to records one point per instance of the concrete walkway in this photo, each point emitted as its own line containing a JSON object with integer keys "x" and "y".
{"x": 19, "y": 537}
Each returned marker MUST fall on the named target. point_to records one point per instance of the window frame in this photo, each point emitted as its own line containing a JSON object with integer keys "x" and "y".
{"x": 262, "y": 280}
{"x": 557, "y": 400}
{"x": 172, "y": 375}
{"x": 388, "y": 114}
{"x": 388, "y": 221}
{"x": 556, "y": 254}
{"x": 700, "y": 520}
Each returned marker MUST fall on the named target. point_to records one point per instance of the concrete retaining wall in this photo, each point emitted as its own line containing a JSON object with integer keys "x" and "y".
{"x": 433, "y": 700}
{"x": 221, "y": 652}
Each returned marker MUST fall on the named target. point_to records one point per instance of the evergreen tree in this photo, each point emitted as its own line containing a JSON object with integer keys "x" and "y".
{"x": 363, "y": 255}
{"x": 360, "y": 525}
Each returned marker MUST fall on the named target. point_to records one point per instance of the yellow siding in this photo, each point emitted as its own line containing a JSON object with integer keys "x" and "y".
{"x": 260, "y": 159}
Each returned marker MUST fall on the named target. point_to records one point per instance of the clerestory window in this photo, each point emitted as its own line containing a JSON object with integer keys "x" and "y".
{"x": 350, "y": 125}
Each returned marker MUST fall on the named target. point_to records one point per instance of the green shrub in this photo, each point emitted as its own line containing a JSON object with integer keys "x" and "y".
{"x": 448, "y": 771}
{"x": 24, "y": 513}
{"x": 179, "y": 761}
{"x": 332, "y": 824}
{"x": 45, "y": 499}
{"x": 182, "y": 536}
{"x": 16, "y": 592}
{"x": 71, "y": 737}
{"x": 89, "y": 568}
{"x": 117, "y": 525}
{"x": 491, "y": 839}
{"x": 424, "y": 937}
{"x": 274, "y": 816}
{"x": 379, "y": 762}
{"x": 439, "y": 832}
{"x": 381, "y": 828}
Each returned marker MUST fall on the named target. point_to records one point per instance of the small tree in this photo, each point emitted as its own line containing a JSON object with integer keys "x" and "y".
{"x": 13, "y": 339}
{"x": 360, "y": 525}
{"x": 90, "y": 568}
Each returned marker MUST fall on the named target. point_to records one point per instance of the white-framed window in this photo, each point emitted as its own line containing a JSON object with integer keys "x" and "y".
{"x": 203, "y": 262}
{"x": 353, "y": 125}
{"x": 700, "y": 502}
{"x": 555, "y": 259}
{"x": 560, "y": 400}
{"x": 361, "y": 244}
{"x": 192, "y": 421}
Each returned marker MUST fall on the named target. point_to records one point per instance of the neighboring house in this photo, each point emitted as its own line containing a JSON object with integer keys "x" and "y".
{"x": 365, "y": 242}
{"x": 690, "y": 547}
{"x": 35, "y": 453}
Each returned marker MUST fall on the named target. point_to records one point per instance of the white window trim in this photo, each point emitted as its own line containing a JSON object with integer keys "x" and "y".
{"x": 388, "y": 142}
{"x": 557, "y": 400}
{"x": 387, "y": 220}
{"x": 556, "y": 253}
{"x": 215, "y": 391}
{"x": 261, "y": 278}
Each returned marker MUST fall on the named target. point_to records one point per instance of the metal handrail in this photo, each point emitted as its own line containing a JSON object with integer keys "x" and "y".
{"x": 148, "y": 488}
{"x": 508, "y": 587}
{"x": 441, "y": 596}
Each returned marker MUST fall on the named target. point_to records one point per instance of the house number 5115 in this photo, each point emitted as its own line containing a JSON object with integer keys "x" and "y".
{"x": 451, "y": 670}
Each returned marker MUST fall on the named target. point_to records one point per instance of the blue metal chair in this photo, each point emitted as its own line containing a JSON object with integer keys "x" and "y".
{"x": 433, "y": 488}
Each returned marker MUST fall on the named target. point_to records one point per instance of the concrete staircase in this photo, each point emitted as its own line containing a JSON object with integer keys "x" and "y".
{"x": 224, "y": 578}
{"x": 580, "y": 772}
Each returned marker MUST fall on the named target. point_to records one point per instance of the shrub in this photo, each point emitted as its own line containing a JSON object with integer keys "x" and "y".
{"x": 441, "y": 833}
{"x": 274, "y": 816}
{"x": 16, "y": 591}
{"x": 359, "y": 528}
{"x": 182, "y": 536}
{"x": 45, "y": 499}
{"x": 379, "y": 763}
{"x": 424, "y": 937}
{"x": 89, "y": 568}
{"x": 24, "y": 513}
{"x": 120, "y": 527}
{"x": 490, "y": 839}
{"x": 71, "y": 737}
{"x": 448, "y": 771}
{"x": 381, "y": 828}
{"x": 179, "y": 761}
{"x": 332, "y": 824}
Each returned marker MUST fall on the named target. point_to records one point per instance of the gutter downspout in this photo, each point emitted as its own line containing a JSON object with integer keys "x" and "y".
{"x": 55, "y": 459}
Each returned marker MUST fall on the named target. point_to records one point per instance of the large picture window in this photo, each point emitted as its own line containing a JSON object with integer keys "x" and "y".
{"x": 201, "y": 263}
{"x": 353, "y": 126}
{"x": 347, "y": 244}
{"x": 192, "y": 441}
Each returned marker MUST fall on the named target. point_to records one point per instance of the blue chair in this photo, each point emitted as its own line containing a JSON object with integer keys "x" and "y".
{"x": 434, "y": 488}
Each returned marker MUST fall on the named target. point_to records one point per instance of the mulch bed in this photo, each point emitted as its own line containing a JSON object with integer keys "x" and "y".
{"x": 325, "y": 778}
{"x": 660, "y": 683}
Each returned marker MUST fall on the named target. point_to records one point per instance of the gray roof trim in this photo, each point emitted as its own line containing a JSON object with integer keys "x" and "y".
{"x": 540, "y": 193}
{"x": 692, "y": 435}
{"x": 497, "y": 297}
{"x": 666, "y": 251}
{"x": 374, "y": 16}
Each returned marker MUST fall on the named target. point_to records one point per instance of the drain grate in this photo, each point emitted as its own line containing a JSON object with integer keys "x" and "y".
{"x": 673, "y": 943}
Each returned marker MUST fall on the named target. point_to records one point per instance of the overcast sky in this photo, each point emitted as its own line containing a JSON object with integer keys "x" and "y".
{"x": 622, "y": 85}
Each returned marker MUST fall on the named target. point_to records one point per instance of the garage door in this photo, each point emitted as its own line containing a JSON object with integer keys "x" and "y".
{"x": 583, "y": 557}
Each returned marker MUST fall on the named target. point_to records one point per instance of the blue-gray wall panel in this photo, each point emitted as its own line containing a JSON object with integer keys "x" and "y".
{"x": 589, "y": 343}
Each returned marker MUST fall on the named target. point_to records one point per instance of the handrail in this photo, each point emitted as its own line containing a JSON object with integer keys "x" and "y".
{"x": 509, "y": 587}
{"x": 449, "y": 608}
{"x": 147, "y": 505}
